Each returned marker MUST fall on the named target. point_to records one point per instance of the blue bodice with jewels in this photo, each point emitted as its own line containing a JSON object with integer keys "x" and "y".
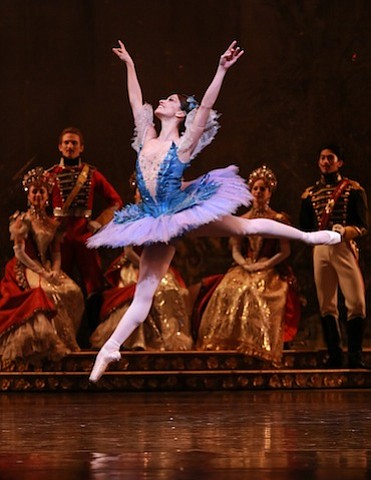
{"x": 169, "y": 197}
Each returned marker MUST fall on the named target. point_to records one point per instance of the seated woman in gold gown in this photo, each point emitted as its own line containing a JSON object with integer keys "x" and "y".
{"x": 40, "y": 306}
{"x": 255, "y": 308}
{"x": 167, "y": 326}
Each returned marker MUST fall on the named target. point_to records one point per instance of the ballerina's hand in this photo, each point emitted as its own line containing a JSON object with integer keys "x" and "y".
{"x": 122, "y": 53}
{"x": 231, "y": 55}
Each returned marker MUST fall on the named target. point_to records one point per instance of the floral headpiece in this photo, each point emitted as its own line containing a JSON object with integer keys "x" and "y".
{"x": 37, "y": 176}
{"x": 192, "y": 103}
{"x": 263, "y": 173}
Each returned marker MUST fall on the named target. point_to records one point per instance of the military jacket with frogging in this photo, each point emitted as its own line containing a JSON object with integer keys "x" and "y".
{"x": 350, "y": 209}
{"x": 82, "y": 204}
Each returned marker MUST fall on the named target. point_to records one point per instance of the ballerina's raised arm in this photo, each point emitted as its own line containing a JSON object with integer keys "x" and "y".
{"x": 229, "y": 58}
{"x": 133, "y": 86}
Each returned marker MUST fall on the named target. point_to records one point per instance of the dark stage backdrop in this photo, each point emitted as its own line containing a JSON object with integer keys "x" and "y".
{"x": 305, "y": 80}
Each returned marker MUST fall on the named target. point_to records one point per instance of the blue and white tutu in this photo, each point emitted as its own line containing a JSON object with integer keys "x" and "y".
{"x": 169, "y": 207}
{"x": 210, "y": 197}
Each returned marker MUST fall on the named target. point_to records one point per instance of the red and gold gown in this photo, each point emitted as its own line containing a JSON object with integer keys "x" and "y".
{"x": 37, "y": 319}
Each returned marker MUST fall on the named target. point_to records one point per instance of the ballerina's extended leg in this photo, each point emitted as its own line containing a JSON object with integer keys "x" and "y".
{"x": 154, "y": 263}
{"x": 279, "y": 230}
{"x": 232, "y": 225}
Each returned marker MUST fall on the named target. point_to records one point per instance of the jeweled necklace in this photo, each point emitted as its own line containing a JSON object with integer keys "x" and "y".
{"x": 260, "y": 210}
{"x": 38, "y": 214}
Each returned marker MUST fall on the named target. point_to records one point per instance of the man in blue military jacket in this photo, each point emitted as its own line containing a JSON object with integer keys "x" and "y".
{"x": 338, "y": 203}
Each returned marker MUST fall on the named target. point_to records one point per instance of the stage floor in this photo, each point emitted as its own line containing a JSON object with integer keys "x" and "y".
{"x": 257, "y": 435}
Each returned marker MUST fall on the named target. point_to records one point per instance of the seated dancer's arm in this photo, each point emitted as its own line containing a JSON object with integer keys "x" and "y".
{"x": 26, "y": 260}
{"x": 267, "y": 263}
{"x": 235, "y": 244}
{"x": 56, "y": 254}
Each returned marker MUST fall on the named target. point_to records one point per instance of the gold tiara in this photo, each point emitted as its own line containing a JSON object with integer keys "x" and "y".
{"x": 37, "y": 176}
{"x": 263, "y": 173}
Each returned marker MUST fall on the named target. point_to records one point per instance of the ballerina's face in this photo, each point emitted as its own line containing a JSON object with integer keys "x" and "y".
{"x": 169, "y": 107}
{"x": 38, "y": 195}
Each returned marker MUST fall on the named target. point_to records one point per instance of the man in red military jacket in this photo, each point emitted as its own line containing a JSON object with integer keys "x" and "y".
{"x": 72, "y": 199}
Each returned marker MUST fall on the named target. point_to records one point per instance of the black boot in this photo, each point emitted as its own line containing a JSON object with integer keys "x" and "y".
{"x": 331, "y": 333}
{"x": 355, "y": 328}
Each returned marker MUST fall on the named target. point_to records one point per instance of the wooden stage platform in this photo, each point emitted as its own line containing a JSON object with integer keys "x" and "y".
{"x": 186, "y": 416}
{"x": 186, "y": 371}
{"x": 236, "y": 435}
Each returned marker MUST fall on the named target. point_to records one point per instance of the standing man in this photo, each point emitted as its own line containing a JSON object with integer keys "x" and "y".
{"x": 338, "y": 203}
{"x": 73, "y": 198}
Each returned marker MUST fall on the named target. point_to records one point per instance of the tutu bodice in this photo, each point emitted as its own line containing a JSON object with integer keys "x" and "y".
{"x": 164, "y": 194}
{"x": 156, "y": 183}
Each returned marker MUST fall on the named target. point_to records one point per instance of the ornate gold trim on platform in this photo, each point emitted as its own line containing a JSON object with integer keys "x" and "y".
{"x": 184, "y": 371}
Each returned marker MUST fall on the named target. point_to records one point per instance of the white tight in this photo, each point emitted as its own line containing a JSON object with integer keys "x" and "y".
{"x": 232, "y": 225}
{"x": 154, "y": 263}
{"x": 156, "y": 258}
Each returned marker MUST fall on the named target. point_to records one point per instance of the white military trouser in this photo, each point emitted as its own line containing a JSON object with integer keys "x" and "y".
{"x": 335, "y": 266}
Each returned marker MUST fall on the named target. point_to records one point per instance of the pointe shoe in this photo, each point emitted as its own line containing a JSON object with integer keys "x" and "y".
{"x": 104, "y": 358}
{"x": 322, "y": 237}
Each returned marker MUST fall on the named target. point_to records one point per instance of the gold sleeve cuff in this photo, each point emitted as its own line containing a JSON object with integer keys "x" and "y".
{"x": 106, "y": 216}
{"x": 352, "y": 232}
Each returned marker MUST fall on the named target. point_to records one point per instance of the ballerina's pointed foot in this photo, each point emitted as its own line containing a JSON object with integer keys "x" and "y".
{"x": 323, "y": 237}
{"x": 104, "y": 358}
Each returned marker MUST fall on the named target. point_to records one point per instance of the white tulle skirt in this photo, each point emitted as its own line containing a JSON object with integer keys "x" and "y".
{"x": 135, "y": 225}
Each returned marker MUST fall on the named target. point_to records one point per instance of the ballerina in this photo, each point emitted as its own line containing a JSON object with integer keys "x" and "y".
{"x": 170, "y": 208}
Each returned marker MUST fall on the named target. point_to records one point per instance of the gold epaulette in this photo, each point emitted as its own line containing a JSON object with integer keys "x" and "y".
{"x": 355, "y": 185}
{"x": 307, "y": 193}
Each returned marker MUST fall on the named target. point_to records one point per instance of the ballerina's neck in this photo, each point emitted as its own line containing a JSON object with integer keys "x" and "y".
{"x": 169, "y": 130}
